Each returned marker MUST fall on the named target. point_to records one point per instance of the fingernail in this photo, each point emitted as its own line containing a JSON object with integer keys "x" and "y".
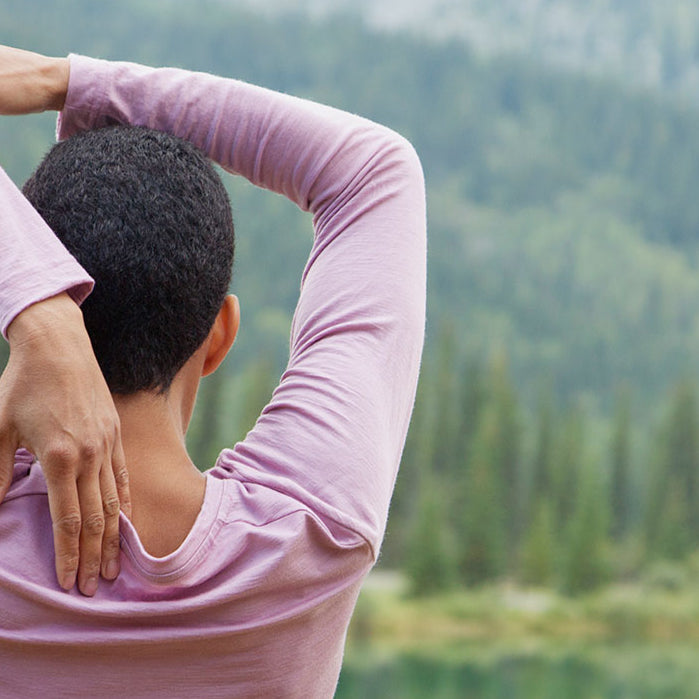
{"x": 112, "y": 570}
{"x": 90, "y": 587}
{"x": 68, "y": 581}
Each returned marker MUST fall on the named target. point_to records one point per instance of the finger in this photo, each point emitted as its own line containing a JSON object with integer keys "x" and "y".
{"x": 110, "y": 539}
{"x": 91, "y": 532}
{"x": 121, "y": 476}
{"x": 65, "y": 515}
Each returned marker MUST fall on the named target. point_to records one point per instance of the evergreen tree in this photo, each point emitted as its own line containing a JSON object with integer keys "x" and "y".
{"x": 482, "y": 530}
{"x": 671, "y": 520}
{"x": 541, "y": 468}
{"x": 446, "y": 418}
{"x": 474, "y": 393}
{"x": 672, "y": 538}
{"x": 507, "y": 447}
{"x": 683, "y": 451}
{"x": 472, "y": 400}
{"x": 584, "y": 561}
{"x": 539, "y": 548}
{"x": 620, "y": 491}
{"x": 566, "y": 467}
{"x": 430, "y": 557}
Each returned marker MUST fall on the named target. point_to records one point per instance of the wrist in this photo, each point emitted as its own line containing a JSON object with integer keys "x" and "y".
{"x": 43, "y": 319}
{"x": 56, "y": 74}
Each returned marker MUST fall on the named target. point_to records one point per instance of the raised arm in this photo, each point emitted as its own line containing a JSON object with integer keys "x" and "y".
{"x": 332, "y": 436}
{"x": 53, "y": 398}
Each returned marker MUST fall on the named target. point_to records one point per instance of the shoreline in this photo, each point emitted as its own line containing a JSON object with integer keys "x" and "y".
{"x": 518, "y": 617}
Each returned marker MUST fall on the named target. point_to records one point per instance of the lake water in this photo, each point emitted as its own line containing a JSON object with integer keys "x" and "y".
{"x": 591, "y": 672}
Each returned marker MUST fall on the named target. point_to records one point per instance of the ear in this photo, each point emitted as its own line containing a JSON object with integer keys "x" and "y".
{"x": 222, "y": 334}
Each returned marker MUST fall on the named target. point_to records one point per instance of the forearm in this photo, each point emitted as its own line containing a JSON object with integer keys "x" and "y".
{"x": 33, "y": 264}
{"x": 53, "y": 398}
{"x": 306, "y": 151}
{"x": 26, "y": 244}
{"x": 30, "y": 82}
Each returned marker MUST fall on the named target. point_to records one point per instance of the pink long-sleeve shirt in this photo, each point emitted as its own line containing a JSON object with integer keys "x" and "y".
{"x": 257, "y": 600}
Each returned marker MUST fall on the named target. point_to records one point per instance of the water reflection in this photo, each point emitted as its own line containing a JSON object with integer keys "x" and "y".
{"x": 644, "y": 672}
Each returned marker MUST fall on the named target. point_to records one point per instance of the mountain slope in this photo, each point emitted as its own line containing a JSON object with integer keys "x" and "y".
{"x": 562, "y": 211}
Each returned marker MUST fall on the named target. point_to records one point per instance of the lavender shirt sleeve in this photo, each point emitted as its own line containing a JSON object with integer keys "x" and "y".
{"x": 26, "y": 244}
{"x": 332, "y": 435}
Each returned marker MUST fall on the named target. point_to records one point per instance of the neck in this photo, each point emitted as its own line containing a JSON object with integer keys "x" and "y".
{"x": 166, "y": 488}
{"x": 152, "y": 430}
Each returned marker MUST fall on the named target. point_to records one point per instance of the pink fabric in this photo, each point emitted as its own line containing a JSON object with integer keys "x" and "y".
{"x": 257, "y": 600}
{"x": 25, "y": 248}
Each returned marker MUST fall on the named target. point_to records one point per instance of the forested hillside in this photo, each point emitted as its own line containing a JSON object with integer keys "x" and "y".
{"x": 564, "y": 242}
{"x": 563, "y": 217}
{"x": 640, "y": 42}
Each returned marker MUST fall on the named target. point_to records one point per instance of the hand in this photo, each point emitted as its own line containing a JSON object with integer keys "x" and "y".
{"x": 55, "y": 403}
{"x": 30, "y": 82}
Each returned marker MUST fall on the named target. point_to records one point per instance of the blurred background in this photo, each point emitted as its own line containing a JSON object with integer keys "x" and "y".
{"x": 544, "y": 535}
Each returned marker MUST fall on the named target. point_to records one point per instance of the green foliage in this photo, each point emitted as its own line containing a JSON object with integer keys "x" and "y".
{"x": 673, "y": 506}
{"x": 502, "y": 515}
{"x": 568, "y": 465}
{"x": 538, "y": 556}
{"x": 228, "y": 405}
{"x": 585, "y": 562}
{"x": 203, "y": 437}
{"x": 430, "y": 563}
{"x": 482, "y": 520}
{"x": 621, "y": 495}
{"x": 563, "y": 223}
{"x": 561, "y": 208}
{"x": 542, "y": 466}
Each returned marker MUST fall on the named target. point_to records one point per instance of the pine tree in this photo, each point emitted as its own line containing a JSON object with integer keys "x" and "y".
{"x": 671, "y": 515}
{"x": 584, "y": 561}
{"x": 472, "y": 399}
{"x": 482, "y": 529}
{"x": 672, "y": 539}
{"x": 445, "y": 377}
{"x": 683, "y": 452}
{"x": 542, "y": 462}
{"x": 620, "y": 491}
{"x": 430, "y": 557}
{"x": 566, "y": 466}
{"x": 538, "y": 556}
{"x": 507, "y": 441}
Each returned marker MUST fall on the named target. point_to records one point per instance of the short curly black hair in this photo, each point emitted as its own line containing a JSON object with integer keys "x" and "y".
{"x": 148, "y": 217}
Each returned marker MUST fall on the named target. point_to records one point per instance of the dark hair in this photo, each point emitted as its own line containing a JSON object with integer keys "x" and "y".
{"x": 148, "y": 217}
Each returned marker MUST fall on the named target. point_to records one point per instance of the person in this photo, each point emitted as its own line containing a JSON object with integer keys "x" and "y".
{"x": 241, "y": 581}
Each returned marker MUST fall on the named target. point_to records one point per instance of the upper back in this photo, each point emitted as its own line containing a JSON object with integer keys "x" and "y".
{"x": 255, "y": 603}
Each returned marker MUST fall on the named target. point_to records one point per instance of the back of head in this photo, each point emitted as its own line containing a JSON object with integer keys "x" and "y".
{"x": 148, "y": 217}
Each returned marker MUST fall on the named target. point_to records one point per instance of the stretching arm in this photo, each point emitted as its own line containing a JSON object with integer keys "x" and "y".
{"x": 53, "y": 398}
{"x": 332, "y": 435}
